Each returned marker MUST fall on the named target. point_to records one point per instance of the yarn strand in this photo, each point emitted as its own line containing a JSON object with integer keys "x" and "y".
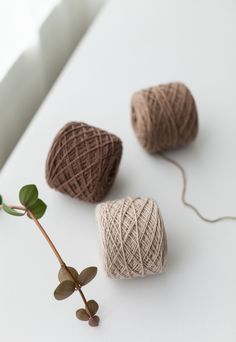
{"x": 184, "y": 191}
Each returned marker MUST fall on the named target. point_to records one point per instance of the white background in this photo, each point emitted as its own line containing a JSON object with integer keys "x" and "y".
{"x": 37, "y": 38}
{"x": 132, "y": 45}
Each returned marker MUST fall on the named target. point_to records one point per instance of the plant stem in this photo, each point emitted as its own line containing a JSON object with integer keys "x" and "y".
{"x": 78, "y": 287}
{"x": 51, "y": 244}
{"x": 55, "y": 251}
{"x": 15, "y": 207}
{"x": 59, "y": 258}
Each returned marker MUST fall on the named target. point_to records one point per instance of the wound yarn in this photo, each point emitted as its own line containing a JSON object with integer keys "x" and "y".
{"x": 164, "y": 117}
{"x": 133, "y": 238}
{"x": 83, "y": 161}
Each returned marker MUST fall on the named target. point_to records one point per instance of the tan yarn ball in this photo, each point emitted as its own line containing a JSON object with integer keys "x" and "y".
{"x": 133, "y": 238}
{"x": 164, "y": 117}
{"x": 83, "y": 161}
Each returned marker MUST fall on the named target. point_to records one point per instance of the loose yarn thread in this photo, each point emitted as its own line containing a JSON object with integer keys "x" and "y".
{"x": 83, "y": 161}
{"x": 183, "y": 194}
{"x": 133, "y": 237}
{"x": 165, "y": 117}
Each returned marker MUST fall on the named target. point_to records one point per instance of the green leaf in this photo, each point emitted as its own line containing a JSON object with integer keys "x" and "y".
{"x": 82, "y": 315}
{"x": 28, "y": 195}
{"x": 93, "y": 306}
{"x": 87, "y": 275}
{"x": 11, "y": 211}
{"x": 38, "y": 208}
{"x": 64, "y": 290}
{"x": 0, "y": 199}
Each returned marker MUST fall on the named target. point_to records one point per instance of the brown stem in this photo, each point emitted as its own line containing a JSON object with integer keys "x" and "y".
{"x": 55, "y": 251}
{"x": 59, "y": 258}
{"x": 78, "y": 287}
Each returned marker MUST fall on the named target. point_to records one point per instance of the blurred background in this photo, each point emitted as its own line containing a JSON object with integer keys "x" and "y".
{"x": 37, "y": 39}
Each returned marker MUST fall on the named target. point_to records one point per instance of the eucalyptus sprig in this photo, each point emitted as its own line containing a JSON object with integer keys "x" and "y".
{"x": 70, "y": 280}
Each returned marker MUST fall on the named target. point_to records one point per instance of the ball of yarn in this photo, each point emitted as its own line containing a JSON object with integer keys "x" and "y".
{"x": 83, "y": 161}
{"x": 133, "y": 239}
{"x": 164, "y": 117}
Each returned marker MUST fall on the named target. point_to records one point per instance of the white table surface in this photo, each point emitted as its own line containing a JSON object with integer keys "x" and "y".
{"x": 133, "y": 44}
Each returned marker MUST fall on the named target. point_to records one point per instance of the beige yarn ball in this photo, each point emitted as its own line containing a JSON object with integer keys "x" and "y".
{"x": 164, "y": 117}
{"x": 133, "y": 237}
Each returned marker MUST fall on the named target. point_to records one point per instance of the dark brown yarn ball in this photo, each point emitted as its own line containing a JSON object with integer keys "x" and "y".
{"x": 83, "y": 161}
{"x": 164, "y": 117}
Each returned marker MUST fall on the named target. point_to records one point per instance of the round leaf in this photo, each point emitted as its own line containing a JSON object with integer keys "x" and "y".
{"x": 11, "y": 211}
{"x": 38, "y": 208}
{"x": 65, "y": 275}
{"x": 64, "y": 290}
{"x": 82, "y": 315}
{"x": 93, "y": 306}
{"x": 94, "y": 321}
{"x": 87, "y": 275}
{"x": 28, "y": 195}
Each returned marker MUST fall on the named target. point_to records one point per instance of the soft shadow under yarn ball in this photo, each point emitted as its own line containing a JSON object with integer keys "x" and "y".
{"x": 164, "y": 117}
{"x": 83, "y": 161}
{"x": 133, "y": 238}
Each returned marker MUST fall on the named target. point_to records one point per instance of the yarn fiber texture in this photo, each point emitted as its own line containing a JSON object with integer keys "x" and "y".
{"x": 164, "y": 117}
{"x": 83, "y": 161}
{"x": 133, "y": 238}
